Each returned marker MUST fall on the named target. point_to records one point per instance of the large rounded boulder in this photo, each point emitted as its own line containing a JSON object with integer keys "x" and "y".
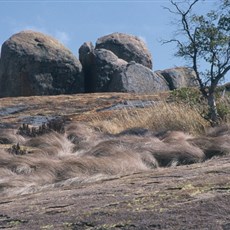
{"x": 179, "y": 77}
{"x": 99, "y": 66}
{"x": 136, "y": 78}
{"x": 36, "y": 64}
{"x": 126, "y": 47}
{"x": 105, "y": 72}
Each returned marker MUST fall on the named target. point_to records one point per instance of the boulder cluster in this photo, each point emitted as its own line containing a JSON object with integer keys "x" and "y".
{"x": 32, "y": 63}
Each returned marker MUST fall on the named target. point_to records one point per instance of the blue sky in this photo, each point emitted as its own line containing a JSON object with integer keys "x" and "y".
{"x": 74, "y": 22}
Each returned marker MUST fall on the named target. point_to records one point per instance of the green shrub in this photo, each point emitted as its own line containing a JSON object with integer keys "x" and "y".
{"x": 191, "y": 96}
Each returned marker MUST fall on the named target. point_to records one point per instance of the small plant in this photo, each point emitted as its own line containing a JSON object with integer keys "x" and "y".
{"x": 17, "y": 150}
{"x": 223, "y": 108}
{"x": 56, "y": 125}
{"x": 191, "y": 96}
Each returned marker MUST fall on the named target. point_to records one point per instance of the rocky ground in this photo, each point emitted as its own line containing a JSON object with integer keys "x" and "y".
{"x": 36, "y": 110}
{"x": 184, "y": 197}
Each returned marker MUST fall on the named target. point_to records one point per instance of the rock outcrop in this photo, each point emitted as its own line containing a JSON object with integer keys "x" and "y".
{"x": 227, "y": 86}
{"x": 105, "y": 72}
{"x": 32, "y": 63}
{"x": 137, "y": 78}
{"x": 126, "y": 47}
{"x": 100, "y": 67}
{"x": 36, "y": 64}
{"x": 84, "y": 50}
{"x": 179, "y": 77}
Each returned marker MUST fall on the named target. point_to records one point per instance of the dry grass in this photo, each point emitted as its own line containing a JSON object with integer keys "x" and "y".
{"x": 223, "y": 106}
{"x": 163, "y": 116}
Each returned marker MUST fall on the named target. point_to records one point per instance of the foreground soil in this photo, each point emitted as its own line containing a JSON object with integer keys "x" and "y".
{"x": 185, "y": 197}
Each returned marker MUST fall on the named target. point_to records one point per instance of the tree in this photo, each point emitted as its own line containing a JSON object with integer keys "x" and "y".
{"x": 206, "y": 42}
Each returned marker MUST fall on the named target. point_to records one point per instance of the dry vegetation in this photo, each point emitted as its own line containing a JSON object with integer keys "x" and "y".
{"x": 161, "y": 117}
{"x": 183, "y": 110}
{"x": 109, "y": 178}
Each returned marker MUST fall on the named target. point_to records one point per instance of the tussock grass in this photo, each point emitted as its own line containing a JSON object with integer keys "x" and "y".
{"x": 187, "y": 111}
{"x": 160, "y": 117}
{"x": 223, "y": 107}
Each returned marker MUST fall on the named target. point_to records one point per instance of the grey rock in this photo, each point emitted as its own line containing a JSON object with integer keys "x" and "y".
{"x": 37, "y": 120}
{"x": 36, "y": 64}
{"x": 137, "y": 78}
{"x": 126, "y": 47}
{"x": 5, "y": 111}
{"x": 86, "y": 57}
{"x": 99, "y": 67}
{"x": 179, "y": 77}
{"x": 227, "y": 86}
{"x": 128, "y": 104}
{"x": 105, "y": 72}
{"x": 84, "y": 50}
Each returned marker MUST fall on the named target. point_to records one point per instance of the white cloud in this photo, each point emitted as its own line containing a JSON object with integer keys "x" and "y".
{"x": 28, "y": 27}
{"x": 62, "y": 37}
{"x": 143, "y": 38}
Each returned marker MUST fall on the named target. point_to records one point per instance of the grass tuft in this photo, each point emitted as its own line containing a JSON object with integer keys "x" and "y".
{"x": 163, "y": 116}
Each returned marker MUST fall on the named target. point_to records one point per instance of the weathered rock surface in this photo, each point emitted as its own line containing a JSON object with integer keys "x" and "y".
{"x": 105, "y": 72}
{"x": 137, "y": 78}
{"x": 179, "y": 77}
{"x": 32, "y": 63}
{"x": 84, "y": 50}
{"x": 36, "y": 64}
{"x": 227, "y": 86}
{"x": 126, "y": 47}
{"x": 186, "y": 197}
{"x": 100, "y": 66}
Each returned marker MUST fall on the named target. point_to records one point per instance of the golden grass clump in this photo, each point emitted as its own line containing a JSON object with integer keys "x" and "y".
{"x": 223, "y": 107}
{"x": 160, "y": 117}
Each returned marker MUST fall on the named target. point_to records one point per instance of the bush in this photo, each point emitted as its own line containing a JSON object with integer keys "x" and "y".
{"x": 191, "y": 96}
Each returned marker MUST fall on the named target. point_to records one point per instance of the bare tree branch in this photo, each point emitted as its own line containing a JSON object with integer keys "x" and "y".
{"x": 208, "y": 39}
